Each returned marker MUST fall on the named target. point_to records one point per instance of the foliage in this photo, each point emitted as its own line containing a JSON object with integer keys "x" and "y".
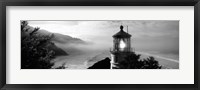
{"x": 151, "y": 63}
{"x": 35, "y": 53}
{"x": 133, "y": 62}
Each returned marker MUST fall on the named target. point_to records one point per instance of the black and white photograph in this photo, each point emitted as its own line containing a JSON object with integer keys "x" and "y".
{"x": 99, "y": 44}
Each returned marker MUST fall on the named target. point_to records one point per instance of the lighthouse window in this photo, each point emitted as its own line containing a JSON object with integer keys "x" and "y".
{"x": 122, "y": 45}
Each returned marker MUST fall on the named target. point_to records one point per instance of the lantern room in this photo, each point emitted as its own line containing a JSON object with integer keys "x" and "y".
{"x": 121, "y": 41}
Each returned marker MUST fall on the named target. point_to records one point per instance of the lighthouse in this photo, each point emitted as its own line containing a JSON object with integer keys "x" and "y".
{"x": 121, "y": 48}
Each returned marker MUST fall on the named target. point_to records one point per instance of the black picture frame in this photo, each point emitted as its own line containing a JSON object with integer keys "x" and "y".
{"x": 5, "y": 86}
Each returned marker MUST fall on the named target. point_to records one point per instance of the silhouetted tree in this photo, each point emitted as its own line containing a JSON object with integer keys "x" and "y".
{"x": 34, "y": 51}
{"x": 151, "y": 63}
{"x": 133, "y": 62}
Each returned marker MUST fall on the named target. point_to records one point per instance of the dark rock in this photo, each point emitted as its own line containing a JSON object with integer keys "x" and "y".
{"x": 103, "y": 64}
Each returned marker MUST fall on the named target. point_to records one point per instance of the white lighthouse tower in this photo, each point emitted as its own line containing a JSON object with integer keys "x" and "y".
{"x": 121, "y": 47}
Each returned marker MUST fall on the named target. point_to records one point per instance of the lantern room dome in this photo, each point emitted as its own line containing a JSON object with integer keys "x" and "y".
{"x": 121, "y": 34}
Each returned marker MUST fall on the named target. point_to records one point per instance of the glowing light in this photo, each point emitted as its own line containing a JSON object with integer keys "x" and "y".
{"x": 122, "y": 44}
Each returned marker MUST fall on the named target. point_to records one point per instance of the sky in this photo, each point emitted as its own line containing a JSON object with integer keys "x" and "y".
{"x": 159, "y": 37}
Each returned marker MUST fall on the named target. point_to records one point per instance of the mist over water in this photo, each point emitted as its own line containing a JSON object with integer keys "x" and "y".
{"x": 79, "y": 55}
{"x": 158, "y": 38}
{"x": 82, "y": 56}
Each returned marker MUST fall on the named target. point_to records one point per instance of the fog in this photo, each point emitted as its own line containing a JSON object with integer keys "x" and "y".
{"x": 151, "y": 37}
